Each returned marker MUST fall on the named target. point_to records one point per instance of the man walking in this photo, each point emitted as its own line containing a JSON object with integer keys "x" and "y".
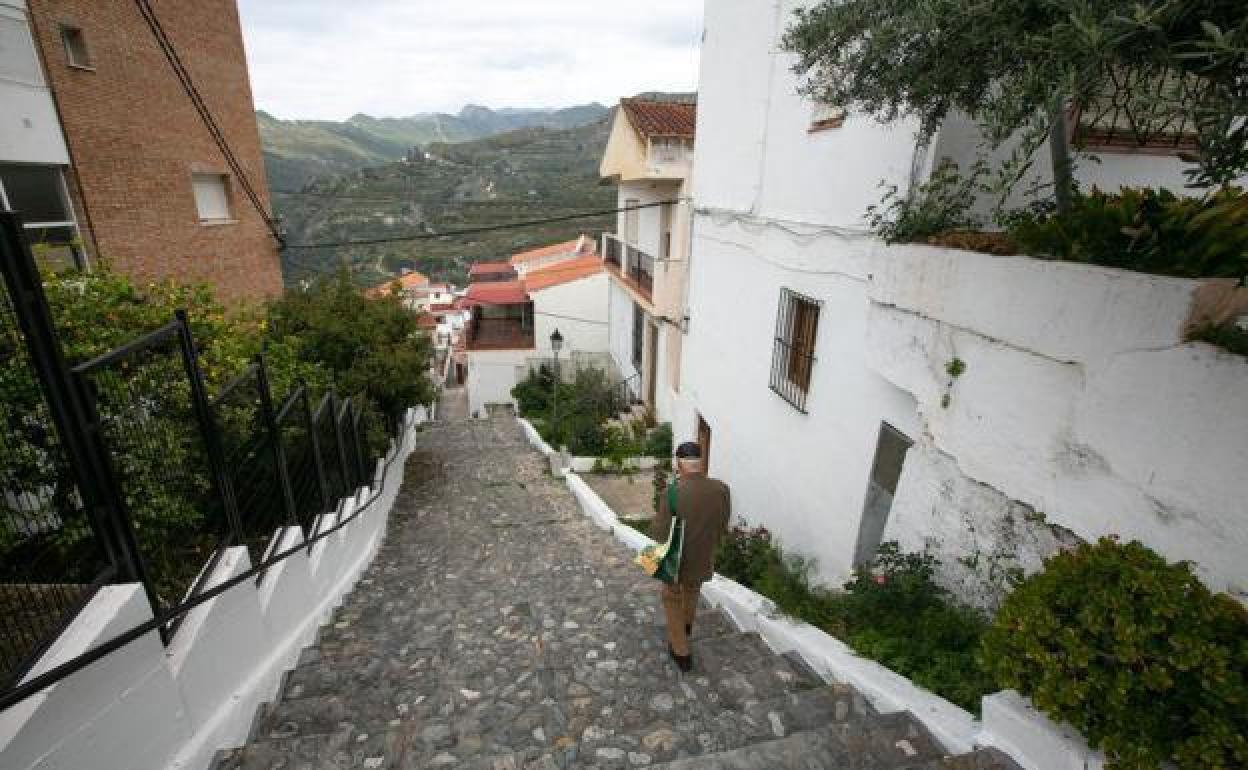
{"x": 705, "y": 506}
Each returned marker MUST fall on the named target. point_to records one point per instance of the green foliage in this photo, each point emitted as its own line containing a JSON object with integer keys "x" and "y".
{"x": 955, "y": 367}
{"x": 1231, "y": 338}
{"x": 1134, "y": 652}
{"x": 371, "y": 347}
{"x": 659, "y": 442}
{"x": 1007, "y": 64}
{"x": 939, "y": 205}
{"x": 662, "y": 478}
{"x": 643, "y": 526}
{"x": 1152, "y": 231}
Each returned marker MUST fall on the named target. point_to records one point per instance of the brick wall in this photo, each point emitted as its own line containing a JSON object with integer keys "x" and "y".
{"x": 135, "y": 139}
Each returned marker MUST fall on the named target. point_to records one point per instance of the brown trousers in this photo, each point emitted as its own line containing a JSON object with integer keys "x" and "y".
{"x": 680, "y": 604}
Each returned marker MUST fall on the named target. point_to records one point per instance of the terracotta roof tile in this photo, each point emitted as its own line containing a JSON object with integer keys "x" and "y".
{"x": 661, "y": 118}
{"x": 497, "y": 293}
{"x": 563, "y": 272}
{"x": 574, "y": 247}
{"x": 490, "y": 268}
{"x": 412, "y": 280}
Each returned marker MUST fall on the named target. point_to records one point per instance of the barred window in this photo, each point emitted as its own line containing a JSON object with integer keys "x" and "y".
{"x": 797, "y": 322}
{"x": 639, "y": 328}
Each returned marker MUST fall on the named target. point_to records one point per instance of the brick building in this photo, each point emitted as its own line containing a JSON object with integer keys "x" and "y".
{"x": 104, "y": 129}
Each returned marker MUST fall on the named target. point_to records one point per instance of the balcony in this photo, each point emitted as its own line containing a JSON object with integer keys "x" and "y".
{"x": 498, "y": 334}
{"x": 629, "y": 263}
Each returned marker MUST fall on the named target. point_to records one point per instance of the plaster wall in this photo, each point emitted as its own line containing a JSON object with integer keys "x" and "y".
{"x": 147, "y": 707}
{"x": 491, "y": 376}
{"x": 584, "y": 299}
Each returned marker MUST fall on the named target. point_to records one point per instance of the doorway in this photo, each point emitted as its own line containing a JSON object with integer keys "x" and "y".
{"x": 652, "y": 367}
{"x": 891, "y": 447}
{"x": 704, "y": 442}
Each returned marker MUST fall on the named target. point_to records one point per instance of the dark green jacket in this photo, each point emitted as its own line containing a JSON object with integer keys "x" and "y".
{"x": 706, "y": 506}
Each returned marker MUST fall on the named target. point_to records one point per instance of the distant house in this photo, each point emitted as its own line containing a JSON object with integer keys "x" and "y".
{"x": 509, "y": 325}
{"x": 484, "y": 272}
{"x": 413, "y": 288}
{"x": 649, "y": 155}
{"x": 554, "y": 253}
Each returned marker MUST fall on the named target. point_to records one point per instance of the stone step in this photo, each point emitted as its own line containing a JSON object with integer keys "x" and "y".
{"x": 980, "y": 759}
{"x": 884, "y": 742}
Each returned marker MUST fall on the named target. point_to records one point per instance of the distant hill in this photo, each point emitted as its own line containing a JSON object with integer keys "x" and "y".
{"x": 297, "y": 151}
{"x": 528, "y": 173}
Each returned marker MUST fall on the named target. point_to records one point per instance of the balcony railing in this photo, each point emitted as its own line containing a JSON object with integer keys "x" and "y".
{"x": 498, "y": 334}
{"x": 630, "y": 262}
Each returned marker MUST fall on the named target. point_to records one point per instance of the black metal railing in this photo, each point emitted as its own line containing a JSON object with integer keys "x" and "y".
{"x": 632, "y": 263}
{"x": 124, "y": 468}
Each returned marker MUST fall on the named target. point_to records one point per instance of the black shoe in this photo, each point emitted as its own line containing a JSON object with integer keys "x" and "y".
{"x": 683, "y": 662}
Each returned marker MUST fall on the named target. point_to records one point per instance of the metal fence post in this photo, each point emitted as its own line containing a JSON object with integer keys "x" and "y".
{"x": 338, "y": 442}
{"x": 208, "y": 428}
{"x": 275, "y": 436}
{"x": 316, "y": 449}
{"x": 70, "y": 407}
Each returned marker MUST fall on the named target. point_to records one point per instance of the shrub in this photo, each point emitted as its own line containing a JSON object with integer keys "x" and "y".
{"x": 941, "y": 204}
{"x": 1231, "y": 338}
{"x": 659, "y": 442}
{"x": 1152, "y": 231}
{"x": 1134, "y": 652}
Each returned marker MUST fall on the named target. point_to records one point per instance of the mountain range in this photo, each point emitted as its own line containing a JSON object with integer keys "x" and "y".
{"x": 297, "y": 151}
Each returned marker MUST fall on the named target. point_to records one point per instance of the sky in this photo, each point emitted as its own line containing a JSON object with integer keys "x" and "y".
{"x": 331, "y": 59}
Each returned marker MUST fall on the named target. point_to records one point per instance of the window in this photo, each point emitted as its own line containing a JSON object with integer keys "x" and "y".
{"x": 825, "y": 116}
{"x": 18, "y": 60}
{"x": 212, "y": 199}
{"x": 797, "y": 323}
{"x": 665, "y": 231}
{"x": 76, "y": 53}
{"x": 639, "y": 328}
{"x": 38, "y": 193}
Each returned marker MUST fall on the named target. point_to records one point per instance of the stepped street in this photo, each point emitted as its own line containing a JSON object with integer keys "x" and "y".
{"x": 497, "y": 628}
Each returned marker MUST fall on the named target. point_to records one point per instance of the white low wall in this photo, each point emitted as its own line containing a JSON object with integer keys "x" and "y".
{"x": 1009, "y": 722}
{"x": 588, "y": 464}
{"x": 147, "y": 707}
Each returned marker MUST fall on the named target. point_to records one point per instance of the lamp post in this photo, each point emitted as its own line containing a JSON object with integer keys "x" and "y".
{"x": 556, "y": 344}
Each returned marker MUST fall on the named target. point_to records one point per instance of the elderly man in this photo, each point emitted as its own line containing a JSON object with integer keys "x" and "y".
{"x": 705, "y": 506}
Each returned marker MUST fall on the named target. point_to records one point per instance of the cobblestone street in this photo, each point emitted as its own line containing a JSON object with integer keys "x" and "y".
{"x": 497, "y": 628}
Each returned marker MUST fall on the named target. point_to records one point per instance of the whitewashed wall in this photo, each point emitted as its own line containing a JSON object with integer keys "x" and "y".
{"x": 146, "y": 707}
{"x": 491, "y": 376}
{"x": 584, "y": 299}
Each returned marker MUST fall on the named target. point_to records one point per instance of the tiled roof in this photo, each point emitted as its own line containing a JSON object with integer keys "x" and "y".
{"x": 563, "y": 272}
{"x": 490, "y": 268}
{"x": 661, "y": 118}
{"x": 497, "y": 293}
{"x": 575, "y": 247}
{"x": 412, "y": 280}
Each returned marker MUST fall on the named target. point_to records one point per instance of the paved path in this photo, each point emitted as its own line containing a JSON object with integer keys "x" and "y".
{"x": 498, "y": 629}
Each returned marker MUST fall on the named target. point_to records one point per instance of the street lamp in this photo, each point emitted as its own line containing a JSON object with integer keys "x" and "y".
{"x": 556, "y": 344}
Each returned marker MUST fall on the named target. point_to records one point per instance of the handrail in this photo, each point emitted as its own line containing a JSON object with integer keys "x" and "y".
{"x": 72, "y": 666}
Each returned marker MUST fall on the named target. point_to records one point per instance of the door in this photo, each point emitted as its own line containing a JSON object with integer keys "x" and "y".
{"x": 890, "y": 455}
{"x": 704, "y": 441}
{"x": 665, "y": 231}
{"x": 630, "y": 220}
{"x": 652, "y": 368}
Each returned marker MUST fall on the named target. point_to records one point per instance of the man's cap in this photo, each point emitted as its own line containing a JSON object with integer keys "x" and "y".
{"x": 689, "y": 450}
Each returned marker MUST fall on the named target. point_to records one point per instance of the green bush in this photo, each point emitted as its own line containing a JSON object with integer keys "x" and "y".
{"x": 939, "y": 205}
{"x": 659, "y": 441}
{"x": 1230, "y": 337}
{"x": 1134, "y": 652}
{"x": 891, "y": 611}
{"x": 1152, "y": 231}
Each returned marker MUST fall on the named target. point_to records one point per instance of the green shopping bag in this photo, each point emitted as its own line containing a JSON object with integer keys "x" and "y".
{"x": 661, "y": 561}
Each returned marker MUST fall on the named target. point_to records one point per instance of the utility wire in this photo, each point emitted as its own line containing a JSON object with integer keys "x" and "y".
{"x": 475, "y": 230}
{"x": 218, "y": 136}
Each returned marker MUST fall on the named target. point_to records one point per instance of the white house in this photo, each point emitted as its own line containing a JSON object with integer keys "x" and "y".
{"x": 510, "y": 329}
{"x": 649, "y": 156}
{"x": 987, "y": 409}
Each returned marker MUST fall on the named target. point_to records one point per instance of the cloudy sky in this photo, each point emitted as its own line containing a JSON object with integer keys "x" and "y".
{"x": 330, "y": 59}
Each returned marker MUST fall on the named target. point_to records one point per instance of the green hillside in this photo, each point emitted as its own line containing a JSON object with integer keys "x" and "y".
{"x": 297, "y": 151}
{"x": 529, "y": 173}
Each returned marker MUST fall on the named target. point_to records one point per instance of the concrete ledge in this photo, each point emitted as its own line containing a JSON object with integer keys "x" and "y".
{"x": 1036, "y": 742}
{"x": 535, "y": 438}
{"x": 586, "y": 464}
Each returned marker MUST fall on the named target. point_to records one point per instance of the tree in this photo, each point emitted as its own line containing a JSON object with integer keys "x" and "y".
{"x": 1017, "y": 67}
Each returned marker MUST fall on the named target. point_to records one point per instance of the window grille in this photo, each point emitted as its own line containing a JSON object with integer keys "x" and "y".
{"x": 793, "y": 358}
{"x": 639, "y": 328}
